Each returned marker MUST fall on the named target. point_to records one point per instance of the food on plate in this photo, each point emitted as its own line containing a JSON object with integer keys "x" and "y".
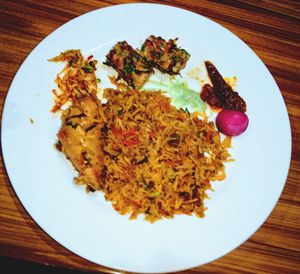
{"x": 130, "y": 65}
{"x": 220, "y": 95}
{"x": 136, "y": 66}
{"x": 181, "y": 95}
{"x": 159, "y": 160}
{"x": 231, "y": 122}
{"x": 76, "y": 80}
{"x": 164, "y": 55}
{"x": 80, "y": 139}
{"x": 145, "y": 155}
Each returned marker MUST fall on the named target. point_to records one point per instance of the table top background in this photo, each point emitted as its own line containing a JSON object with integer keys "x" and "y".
{"x": 270, "y": 28}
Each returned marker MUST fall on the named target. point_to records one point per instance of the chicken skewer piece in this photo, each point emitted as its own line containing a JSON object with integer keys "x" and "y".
{"x": 164, "y": 55}
{"x": 130, "y": 65}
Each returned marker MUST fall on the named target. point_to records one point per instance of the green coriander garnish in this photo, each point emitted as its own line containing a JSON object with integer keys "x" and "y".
{"x": 128, "y": 68}
{"x": 88, "y": 68}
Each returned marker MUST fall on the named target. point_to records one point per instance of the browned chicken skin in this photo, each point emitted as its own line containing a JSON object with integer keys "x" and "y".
{"x": 81, "y": 140}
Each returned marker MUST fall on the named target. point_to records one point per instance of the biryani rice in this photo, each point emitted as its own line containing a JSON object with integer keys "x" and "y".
{"x": 159, "y": 160}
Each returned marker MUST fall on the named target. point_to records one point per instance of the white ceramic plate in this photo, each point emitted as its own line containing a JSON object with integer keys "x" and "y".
{"x": 85, "y": 223}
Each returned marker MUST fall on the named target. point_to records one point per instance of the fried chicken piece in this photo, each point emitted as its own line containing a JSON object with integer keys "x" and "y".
{"x": 81, "y": 141}
{"x": 130, "y": 65}
{"x": 164, "y": 55}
